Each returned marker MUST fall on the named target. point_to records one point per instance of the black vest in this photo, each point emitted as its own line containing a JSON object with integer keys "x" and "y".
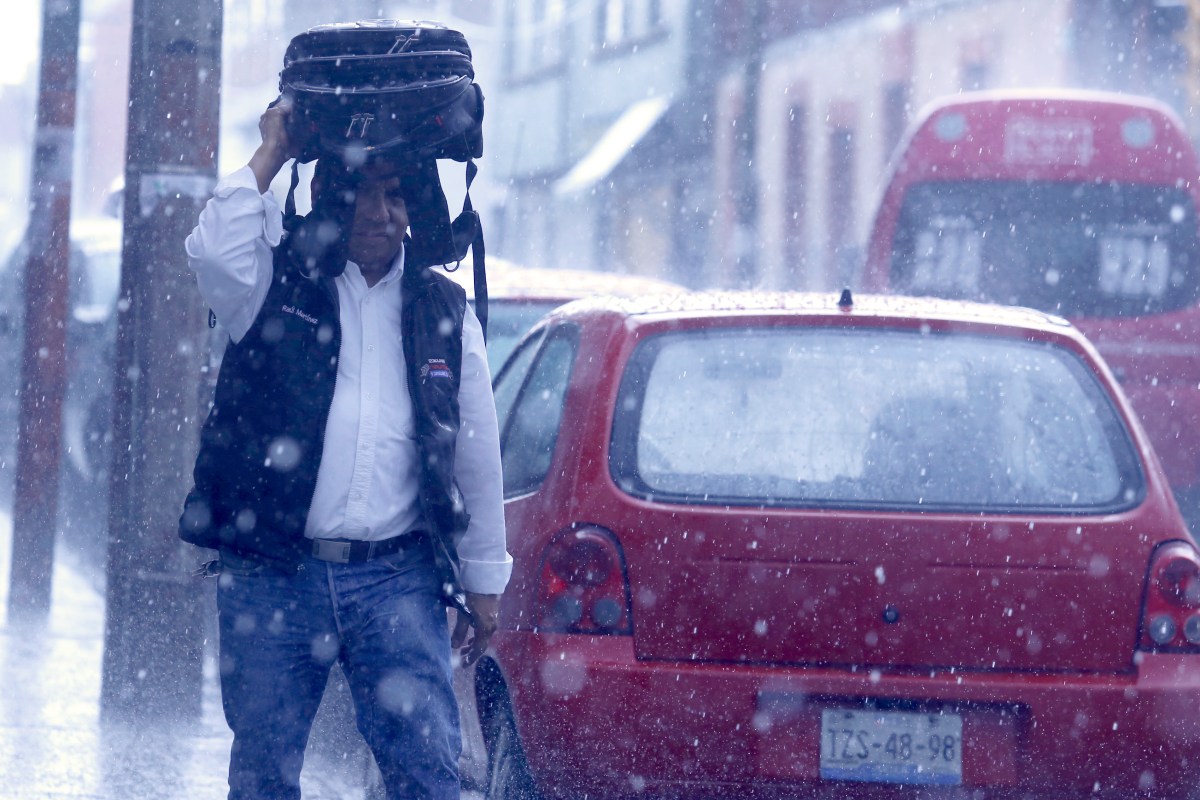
{"x": 260, "y": 447}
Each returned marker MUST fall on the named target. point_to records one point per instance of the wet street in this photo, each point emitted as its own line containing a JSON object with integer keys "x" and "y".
{"x": 53, "y": 743}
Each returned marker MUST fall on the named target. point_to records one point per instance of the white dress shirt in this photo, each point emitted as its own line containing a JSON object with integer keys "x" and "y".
{"x": 367, "y": 482}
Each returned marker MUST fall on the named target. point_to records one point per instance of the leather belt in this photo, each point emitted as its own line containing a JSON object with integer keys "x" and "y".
{"x": 345, "y": 551}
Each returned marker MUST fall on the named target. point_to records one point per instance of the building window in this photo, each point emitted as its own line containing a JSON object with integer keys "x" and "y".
{"x": 621, "y": 22}
{"x": 616, "y": 28}
{"x": 976, "y": 55}
{"x": 796, "y": 193}
{"x": 895, "y": 115}
{"x": 535, "y": 32}
{"x": 654, "y": 13}
{"x": 508, "y": 60}
{"x": 975, "y": 75}
{"x": 725, "y": 185}
{"x": 841, "y": 203}
{"x": 248, "y": 22}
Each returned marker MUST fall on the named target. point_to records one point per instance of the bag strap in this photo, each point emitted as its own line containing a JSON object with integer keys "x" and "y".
{"x": 477, "y": 254}
{"x": 290, "y": 220}
{"x": 467, "y": 231}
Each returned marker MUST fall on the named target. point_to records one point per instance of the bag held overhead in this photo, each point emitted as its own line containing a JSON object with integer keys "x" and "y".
{"x": 402, "y": 89}
{"x": 359, "y": 88}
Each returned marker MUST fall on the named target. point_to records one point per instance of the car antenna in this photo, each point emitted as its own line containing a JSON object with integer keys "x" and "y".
{"x": 846, "y": 301}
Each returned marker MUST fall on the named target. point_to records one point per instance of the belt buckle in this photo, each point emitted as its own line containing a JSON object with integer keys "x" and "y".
{"x": 326, "y": 550}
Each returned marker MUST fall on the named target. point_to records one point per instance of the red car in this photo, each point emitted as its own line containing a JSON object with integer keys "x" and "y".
{"x": 810, "y": 546}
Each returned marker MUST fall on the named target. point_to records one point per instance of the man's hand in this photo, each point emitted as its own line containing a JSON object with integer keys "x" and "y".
{"x": 276, "y": 149}
{"x": 485, "y": 615}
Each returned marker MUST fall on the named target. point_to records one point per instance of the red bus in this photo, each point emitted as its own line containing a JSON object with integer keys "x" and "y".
{"x": 1083, "y": 204}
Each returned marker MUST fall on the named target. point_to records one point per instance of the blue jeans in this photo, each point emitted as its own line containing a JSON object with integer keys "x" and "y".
{"x": 385, "y": 622}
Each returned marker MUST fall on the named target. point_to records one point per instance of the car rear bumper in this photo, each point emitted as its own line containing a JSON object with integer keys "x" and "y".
{"x": 592, "y": 716}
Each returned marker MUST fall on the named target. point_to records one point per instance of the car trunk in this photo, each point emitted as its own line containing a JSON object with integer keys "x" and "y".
{"x": 905, "y": 590}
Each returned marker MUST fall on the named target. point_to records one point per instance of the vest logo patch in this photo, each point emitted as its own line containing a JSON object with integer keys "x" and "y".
{"x": 301, "y": 313}
{"x": 436, "y": 368}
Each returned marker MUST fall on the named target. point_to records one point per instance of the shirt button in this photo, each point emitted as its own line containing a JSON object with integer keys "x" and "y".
{"x": 371, "y": 348}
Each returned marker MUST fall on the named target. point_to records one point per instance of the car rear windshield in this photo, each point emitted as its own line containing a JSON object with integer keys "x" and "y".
{"x": 1077, "y": 249}
{"x": 810, "y": 416}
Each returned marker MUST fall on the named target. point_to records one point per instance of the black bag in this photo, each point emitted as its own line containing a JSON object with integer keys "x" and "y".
{"x": 383, "y": 85}
{"x": 402, "y": 88}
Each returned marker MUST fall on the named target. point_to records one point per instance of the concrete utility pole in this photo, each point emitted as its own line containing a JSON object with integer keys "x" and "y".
{"x": 153, "y": 633}
{"x": 44, "y": 356}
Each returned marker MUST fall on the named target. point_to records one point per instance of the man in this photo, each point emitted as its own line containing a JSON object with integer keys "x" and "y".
{"x": 348, "y": 475}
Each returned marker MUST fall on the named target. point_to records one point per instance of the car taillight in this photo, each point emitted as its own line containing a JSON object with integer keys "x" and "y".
{"x": 583, "y": 586}
{"x": 1171, "y": 616}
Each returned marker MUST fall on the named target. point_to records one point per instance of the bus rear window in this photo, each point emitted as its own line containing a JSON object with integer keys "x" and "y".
{"x": 1075, "y": 249}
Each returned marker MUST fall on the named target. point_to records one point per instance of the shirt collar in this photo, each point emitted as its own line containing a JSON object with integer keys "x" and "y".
{"x": 392, "y": 275}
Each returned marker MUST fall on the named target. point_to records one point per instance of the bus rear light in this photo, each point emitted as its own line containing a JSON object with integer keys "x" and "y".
{"x": 584, "y": 588}
{"x": 1171, "y": 612}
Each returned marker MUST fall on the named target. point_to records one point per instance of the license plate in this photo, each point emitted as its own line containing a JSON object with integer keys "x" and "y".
{"x": 891, "y": 747}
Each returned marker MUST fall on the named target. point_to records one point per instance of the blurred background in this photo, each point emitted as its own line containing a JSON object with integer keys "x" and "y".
{"x": 616, "y": 132}
{"x": 711, "y": 143}
{"x": 619, "y": 133}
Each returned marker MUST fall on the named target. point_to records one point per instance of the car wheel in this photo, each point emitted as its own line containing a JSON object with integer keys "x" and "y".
{"x": 508, "y": 774}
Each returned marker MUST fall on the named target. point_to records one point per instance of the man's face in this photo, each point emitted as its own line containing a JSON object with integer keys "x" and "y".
{"x": 380, "y": 218}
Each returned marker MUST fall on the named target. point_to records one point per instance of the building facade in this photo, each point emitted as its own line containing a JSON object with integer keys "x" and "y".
{"x": 627, "y": 146}
{"x": 592, "y": 99}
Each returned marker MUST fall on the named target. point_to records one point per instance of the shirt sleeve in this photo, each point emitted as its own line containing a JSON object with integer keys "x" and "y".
{"x": 484, "y": 560}
{"x": 230, "y": 250}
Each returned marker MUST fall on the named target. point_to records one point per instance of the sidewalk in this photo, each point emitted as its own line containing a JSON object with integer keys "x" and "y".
{"x": 53, "y": 745}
